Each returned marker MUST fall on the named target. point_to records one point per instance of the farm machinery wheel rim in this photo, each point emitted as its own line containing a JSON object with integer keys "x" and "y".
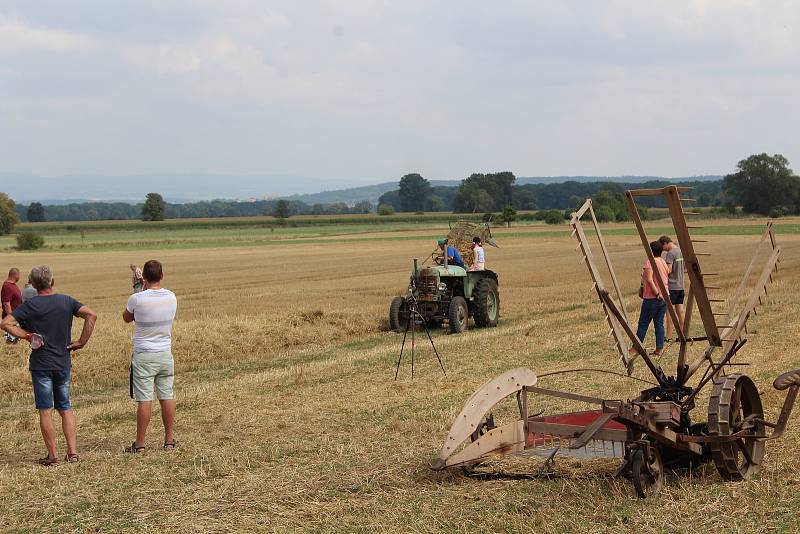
{"x": 647, "y": 473}
{"x": 735, "y": 405}
{"x": 491, "y": 306}
{"x": 457, "y": 315}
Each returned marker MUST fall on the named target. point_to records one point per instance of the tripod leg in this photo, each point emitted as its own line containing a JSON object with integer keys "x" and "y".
{"x": 436, "y": 352}
{"x": 413, "y": 329}
{"x": 402, "y": 346}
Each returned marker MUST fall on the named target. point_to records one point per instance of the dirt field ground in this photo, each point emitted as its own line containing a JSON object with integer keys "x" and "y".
{"x": 289, "y": 417}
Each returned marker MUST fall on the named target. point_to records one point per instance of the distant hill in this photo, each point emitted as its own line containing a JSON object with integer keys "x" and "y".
{"x": 354, "y": 194}
{"x": 174, "y": 187}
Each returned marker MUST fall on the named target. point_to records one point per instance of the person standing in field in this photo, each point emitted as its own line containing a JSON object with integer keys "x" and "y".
{"x": 152, "y": 365}
{"x": 28, "y": 292}
{"x": 653, "y": 304}
{"x": 48, "y": 327}
{"x": 478, "y": 255}
{"x": 674, "y": 259}
{"x": 138, "y": 280}
{"x": 10, "y": 298}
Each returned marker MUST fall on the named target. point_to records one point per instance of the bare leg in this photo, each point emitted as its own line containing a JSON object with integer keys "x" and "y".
{"x": 48, "y": 432}
{"x": 68, "y": 426}
{"x": 168, "y": 417}
{"x": 680, "y": 310}
{"x": 143, "y": 409}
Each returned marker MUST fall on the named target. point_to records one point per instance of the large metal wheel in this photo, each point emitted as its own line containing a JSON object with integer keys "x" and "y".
{"x": 735, "y": 406}
{"x": 398, "y": 314}
{"x": 647, "y": 471}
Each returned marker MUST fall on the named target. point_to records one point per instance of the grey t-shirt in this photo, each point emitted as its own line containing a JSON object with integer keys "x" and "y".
{"x": 674, "y": 259}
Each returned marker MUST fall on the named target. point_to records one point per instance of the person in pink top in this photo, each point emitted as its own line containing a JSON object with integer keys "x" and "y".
{"x": 654, "y": 306}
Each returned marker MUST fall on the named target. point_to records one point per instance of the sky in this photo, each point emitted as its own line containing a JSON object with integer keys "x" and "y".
{"x": 364, "y": 91}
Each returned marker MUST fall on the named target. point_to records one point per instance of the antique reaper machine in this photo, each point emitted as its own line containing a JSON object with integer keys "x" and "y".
{"x": 660, "y": 426}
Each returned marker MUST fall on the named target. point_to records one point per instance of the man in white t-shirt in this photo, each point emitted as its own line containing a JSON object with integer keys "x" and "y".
{"x": 152, "y": 367}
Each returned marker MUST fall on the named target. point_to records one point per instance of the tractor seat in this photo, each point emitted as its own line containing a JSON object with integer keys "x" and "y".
{"x": 787, "y": 380}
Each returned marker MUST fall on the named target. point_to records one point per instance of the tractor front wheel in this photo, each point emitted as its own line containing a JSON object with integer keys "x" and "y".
{"x": 487, "y": 303}
{"x": 398, "y": 314}
{"x": 458, "y": 315}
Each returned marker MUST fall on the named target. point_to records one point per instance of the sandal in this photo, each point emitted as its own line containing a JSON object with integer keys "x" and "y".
{"x": 134, "y": 448}
{"x": 47, "y": 461}
{"x": 170, "y": 445}
{"x": 73, "y": 458}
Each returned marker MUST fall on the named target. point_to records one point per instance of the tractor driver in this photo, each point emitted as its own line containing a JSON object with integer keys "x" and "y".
{"x": 453, "y": 257}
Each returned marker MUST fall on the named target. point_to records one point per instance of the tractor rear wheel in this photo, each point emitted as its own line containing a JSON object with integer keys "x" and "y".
{"x": 735, "y": 406}
{"x": 458, "y": 315}
{"x": 398, "y": 314}
{"x": 486, "y": 301}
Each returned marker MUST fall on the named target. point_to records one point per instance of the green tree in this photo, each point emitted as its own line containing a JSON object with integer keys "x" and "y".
{"x": 35, "y": 212}
{"x": 485, "y": 192}
{"x": 281, "y": 210}
{"x": 415, "y": 192}
{"x": 29, "y": 241}
{"x": 509, "y": 215}
{"x": 763, "y": 182}
{"x": 8, "y": 214}
{"x": 385, "y": 209}
{"x": 436, "y": 203}
{"x": 154, "y": 207}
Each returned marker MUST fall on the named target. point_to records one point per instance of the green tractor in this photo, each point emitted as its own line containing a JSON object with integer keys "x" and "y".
{"x": 449, "y": 294}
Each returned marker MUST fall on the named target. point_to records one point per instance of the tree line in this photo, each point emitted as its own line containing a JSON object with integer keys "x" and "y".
{"x": 493, "y": 192}
{"x": 762, "y": 184}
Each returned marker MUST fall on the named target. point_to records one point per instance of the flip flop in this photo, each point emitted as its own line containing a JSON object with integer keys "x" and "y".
{"x": 134, "y": 448}
{"x": 170, "y": 445}
{"x": 47, "y": 461}
{"x": 73, "y": 458}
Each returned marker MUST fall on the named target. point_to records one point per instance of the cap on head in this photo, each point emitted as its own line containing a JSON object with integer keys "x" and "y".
{"x": 442, "y": 242}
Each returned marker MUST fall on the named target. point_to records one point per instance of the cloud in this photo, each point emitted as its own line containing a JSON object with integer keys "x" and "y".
{"x": 18, "y": 36}
{"x": 366, "y": 88}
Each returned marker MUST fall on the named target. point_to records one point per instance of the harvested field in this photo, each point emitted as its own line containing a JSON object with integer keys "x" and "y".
{"x": 288, "y": 417}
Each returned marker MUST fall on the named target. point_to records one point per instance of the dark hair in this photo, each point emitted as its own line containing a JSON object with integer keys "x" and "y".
{"x": 476, "y": 240}
{"x": 664, "y": 239}
{"x": 656, "y": 248}
{"x": 152, "y": 271}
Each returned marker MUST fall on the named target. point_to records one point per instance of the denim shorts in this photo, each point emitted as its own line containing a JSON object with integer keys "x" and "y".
{"x": 51, "y": 388}
{"x": 152, "y": 370}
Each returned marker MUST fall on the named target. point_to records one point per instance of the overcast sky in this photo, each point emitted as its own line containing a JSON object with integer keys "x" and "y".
{"x": 369, "y": 90}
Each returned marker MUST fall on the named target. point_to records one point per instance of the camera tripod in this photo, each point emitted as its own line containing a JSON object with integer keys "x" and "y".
{"x": 413, "y": 316}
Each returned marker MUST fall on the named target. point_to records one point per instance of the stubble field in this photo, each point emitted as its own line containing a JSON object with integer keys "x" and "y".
{"x": 289, "y": 417}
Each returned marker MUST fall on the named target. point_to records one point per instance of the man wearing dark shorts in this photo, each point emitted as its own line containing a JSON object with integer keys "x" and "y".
{"x": 674, "y": 259}
{"x": 48, "y": 327}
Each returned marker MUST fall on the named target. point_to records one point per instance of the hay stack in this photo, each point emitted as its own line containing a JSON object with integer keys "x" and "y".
{"x": 460, "y": 237}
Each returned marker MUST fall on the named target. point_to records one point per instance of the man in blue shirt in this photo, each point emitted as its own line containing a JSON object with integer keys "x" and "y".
{"x": 453, "y": 257}
{"x": 47, "y": 320}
